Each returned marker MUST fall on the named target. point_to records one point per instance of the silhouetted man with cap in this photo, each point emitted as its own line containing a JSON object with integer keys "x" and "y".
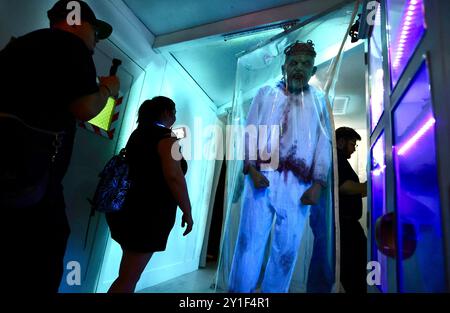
{"x": 49, "y": 82}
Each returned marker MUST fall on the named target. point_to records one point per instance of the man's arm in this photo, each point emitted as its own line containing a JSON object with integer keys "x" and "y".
{"x": 352, "y": 188}
{"x": 259, "y": 180}
{"x": 251, "y": 134}
{"x": 88, "y": 107}
{"x": 251, "y": 142}
{"x": 322, "y": 164}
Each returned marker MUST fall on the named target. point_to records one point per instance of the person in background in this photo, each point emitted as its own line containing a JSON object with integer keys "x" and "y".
{"x": 351, "y": 192}
{"x": 158, "y": 186}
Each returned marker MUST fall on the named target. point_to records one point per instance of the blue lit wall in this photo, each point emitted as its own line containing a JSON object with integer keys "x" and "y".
{"x": 196, "y": 111}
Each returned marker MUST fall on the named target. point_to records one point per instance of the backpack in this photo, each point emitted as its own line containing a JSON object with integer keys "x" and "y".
{"x": 113, "y": 186}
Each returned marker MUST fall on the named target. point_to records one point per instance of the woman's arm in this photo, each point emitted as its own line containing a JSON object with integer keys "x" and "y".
{"x": 174, "y": 177}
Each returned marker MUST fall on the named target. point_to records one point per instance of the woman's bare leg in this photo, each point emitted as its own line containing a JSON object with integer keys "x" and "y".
{"x": 131, "y": 268}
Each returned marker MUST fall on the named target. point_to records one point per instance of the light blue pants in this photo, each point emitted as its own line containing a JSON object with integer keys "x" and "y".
{"x": 281, "y": 200}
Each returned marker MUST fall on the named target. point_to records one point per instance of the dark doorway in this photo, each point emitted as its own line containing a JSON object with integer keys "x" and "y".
{"x": 217, "y": 218}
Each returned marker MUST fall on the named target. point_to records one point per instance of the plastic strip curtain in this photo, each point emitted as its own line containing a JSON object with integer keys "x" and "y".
{"x": 317, "y": 260}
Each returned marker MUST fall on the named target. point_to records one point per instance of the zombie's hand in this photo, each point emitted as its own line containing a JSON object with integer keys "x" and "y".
{"x": 311, "y": 195}
{"x": 259, "y": 180}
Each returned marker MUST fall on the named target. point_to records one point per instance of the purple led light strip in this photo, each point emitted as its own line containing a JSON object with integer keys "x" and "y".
{"x": 427, "y": 126}
{"x": 400, "y": 49}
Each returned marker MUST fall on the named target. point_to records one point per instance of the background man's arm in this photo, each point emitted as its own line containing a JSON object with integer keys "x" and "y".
{"x": 353, "y": 188}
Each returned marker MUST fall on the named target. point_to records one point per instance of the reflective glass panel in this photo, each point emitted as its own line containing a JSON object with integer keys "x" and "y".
{"x": 421, "y": 261}
{"x": 405, "y": 28}
{"x": 378, "y": 175}
{"x": 376, "y": 73}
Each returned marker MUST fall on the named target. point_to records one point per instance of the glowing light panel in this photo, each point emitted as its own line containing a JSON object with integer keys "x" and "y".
{"x": 404, "y": 33}
{"x": 376, "y": 73}
{"x": 416, "y": 137}
{"x": 418, "y": 207}
{"x": 378, "y": 208}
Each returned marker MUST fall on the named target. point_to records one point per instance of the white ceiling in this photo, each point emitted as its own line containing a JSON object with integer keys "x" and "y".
{"x": 352, "y": 83}
{"x": 212, "y": 63}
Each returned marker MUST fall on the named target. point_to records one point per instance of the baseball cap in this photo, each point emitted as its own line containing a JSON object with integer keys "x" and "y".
{"x": 59, "y": 12}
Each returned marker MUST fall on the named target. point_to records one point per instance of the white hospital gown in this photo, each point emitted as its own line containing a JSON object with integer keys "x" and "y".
{"x": 305, "y": 144}
{"x": 304, "y": 158}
